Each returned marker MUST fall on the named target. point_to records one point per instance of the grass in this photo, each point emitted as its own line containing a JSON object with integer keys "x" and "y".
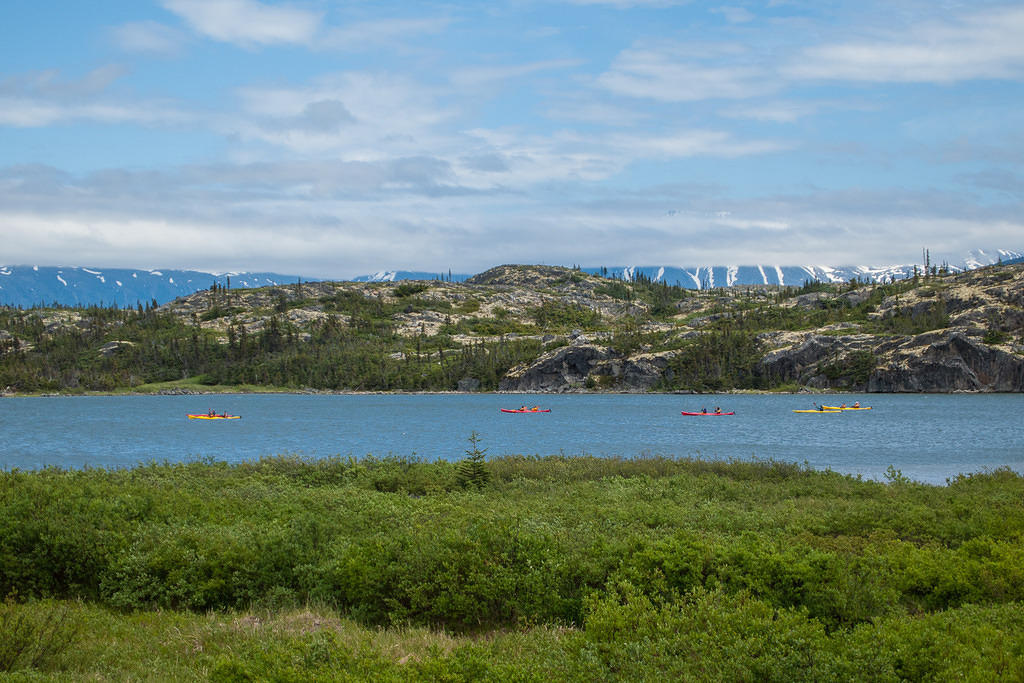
{"x": 553, "y": 568}
{"x": 304, "y": 643}
{"x": 716, "y": 642}
{"x": 194, "y": 384}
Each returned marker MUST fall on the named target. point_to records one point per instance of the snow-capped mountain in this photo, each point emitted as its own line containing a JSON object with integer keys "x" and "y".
{"x": 393, "y": 275}
{"x": 28, "y": 286}
{"x": 707, "y": 277}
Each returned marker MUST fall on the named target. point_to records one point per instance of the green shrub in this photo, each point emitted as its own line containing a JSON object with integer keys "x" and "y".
{"x": 707, "y": 636}
{"x": 555, "y": 315}
{"x": 994, "y": 336}
{"x": 35, "y": 636}
{"x": 409, "y": 289}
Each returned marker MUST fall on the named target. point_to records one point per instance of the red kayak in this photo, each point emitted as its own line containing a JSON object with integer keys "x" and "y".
{"x": 517, "y": 410}
{"x": 686, "y": 413}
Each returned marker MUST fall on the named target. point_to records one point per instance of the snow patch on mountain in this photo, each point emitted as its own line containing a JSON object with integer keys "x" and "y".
{"x": 27, "y": 286}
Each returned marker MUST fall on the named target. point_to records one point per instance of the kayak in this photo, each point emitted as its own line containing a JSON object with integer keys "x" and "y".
{"x": 686, "y": 413}
{"x": 848, "y": 408}
{"x": 510, "y": 410}
{"x": 215, "y": 417}
{"x": 815, "y": 410}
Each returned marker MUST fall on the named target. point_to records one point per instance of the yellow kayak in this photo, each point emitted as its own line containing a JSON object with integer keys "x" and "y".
{"x": 215, "y": 417}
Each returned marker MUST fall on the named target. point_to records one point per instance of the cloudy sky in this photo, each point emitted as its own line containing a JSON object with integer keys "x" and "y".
{"x": 329, "y": 139}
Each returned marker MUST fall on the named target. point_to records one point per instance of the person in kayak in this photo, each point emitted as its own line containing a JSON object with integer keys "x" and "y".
{"x": 704, "y": 410}
{"x": 718, "y": 411}
{"x": 535, "y": 409}
{"x": 856, "y": 404}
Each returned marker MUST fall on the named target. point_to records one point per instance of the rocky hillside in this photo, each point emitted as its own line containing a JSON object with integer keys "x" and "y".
{"x": 962, "y": 332}
{"x": 553, "y": 329}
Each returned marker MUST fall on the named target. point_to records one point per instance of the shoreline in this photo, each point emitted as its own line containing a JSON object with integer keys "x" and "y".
{"x": 573, "y": 392}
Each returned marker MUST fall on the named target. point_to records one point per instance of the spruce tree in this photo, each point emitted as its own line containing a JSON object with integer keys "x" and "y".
{"x": 471, "y": 471}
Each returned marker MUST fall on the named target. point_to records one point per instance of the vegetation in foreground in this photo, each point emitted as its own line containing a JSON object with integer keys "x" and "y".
{"x": 517, "y": 568}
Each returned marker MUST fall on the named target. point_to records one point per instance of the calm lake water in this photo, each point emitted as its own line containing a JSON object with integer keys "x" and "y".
{"x": 928, "y": 437}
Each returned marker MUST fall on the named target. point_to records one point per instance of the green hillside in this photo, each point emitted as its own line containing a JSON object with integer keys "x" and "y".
{"x": 512, "y": 327}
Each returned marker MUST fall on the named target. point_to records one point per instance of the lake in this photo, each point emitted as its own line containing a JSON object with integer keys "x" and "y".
{"x": 928, "y": 437}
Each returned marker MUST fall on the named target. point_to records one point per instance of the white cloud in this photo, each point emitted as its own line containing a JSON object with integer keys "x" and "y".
{"x": 982, "y": 45}
{"x": 388, "y": 116}
{"x": 360, "y": 35}
{"x": 626, "y": 4}
{"x": 49, "y": 84}
{"x": 474, "y": 76}
{"x": 247, "y": 22}
{"x": 147, "y": 36}
{"x": 34, "y": 113}
{"x": 660, "y": 73}
{"x": 21, "y": 113}
{"x": 693, "y": 143}
{"x": 588, "y": 111}
{"x": 41, "y": 99}
{"x": 735, "y": 15}
{"x": 789, "y": 111}
{"x": 977, "y": 46}
{"x": 778, "y": 112}
{"x": 271, "y": 225}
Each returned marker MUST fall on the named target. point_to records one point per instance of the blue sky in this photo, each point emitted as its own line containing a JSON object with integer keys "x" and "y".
{"x": 331, "y": 139}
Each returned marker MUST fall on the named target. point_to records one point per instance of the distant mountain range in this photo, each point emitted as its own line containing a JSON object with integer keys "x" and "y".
{"x": 707, "y": 277}
{"x": 27, "y": 286}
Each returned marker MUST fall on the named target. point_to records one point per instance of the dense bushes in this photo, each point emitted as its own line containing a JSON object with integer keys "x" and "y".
{"x": 366, "y": 353}
{"x": 683, "y": 566}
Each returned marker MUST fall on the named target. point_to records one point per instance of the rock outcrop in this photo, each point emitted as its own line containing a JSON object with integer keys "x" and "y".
{"x": 949, "y": 361}
{"x": 938, "y": 361}
{"x": 941, "y": 361}
{"x": 561, "y": 369}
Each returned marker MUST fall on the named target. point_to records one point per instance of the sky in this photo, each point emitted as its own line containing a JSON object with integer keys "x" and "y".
{"x": 330, "y": 139}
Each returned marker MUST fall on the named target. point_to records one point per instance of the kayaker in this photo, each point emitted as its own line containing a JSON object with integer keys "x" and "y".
{"x": 704, "y": 410}
{"x": 536, "y": 409}
{"x": 718, "y": 411}
{"x": 856, "y": 404}
{"x": 212, "y": 412}
{"x": 843, "y": 405}
{"x": 821, "y": 408}
{"x": 524, "y": 408}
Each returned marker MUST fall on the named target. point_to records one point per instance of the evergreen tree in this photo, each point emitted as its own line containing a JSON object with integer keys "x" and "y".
{"x": 471, "y": 471}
